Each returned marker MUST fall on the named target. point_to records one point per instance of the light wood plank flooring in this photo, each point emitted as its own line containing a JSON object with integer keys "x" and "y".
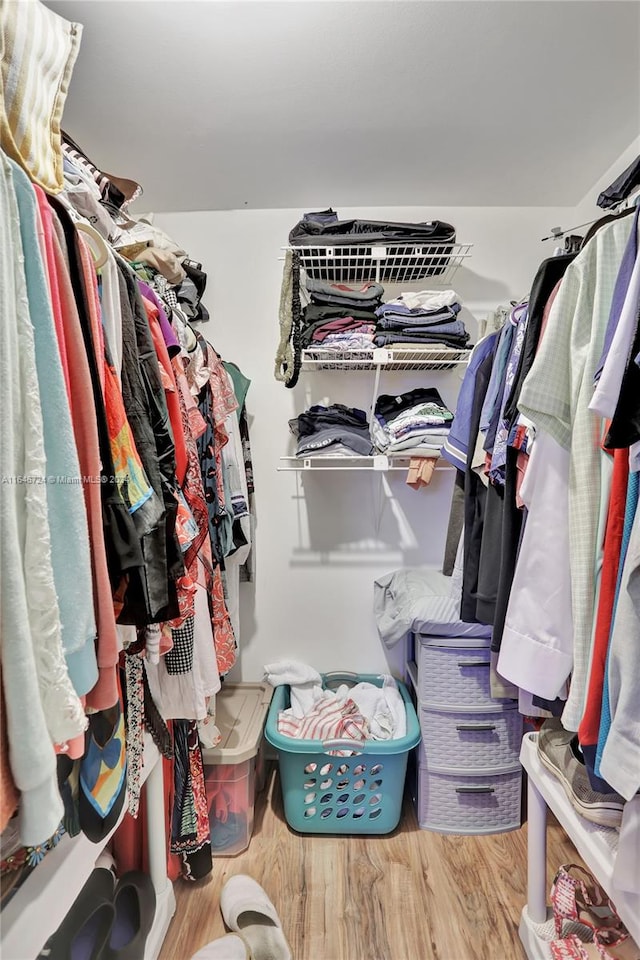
{"x": 412, "y": 895}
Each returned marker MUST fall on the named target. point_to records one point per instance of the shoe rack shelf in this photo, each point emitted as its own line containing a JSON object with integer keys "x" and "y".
{"x": 46, "y": 896}
{"x": 598, "y": 847}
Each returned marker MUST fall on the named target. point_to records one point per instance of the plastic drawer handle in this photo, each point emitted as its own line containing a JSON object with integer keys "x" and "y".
{"x": 355, "y": 746}
{"x": 475, "y": 790}
{"x": 475, "y": 726}
{"x": 474, "y": 663}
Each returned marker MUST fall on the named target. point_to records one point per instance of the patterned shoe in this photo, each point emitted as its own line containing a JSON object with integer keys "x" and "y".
{"x": 613, "y": 945}
{"x": 572, "y": 948}
{"x": 103, "y": 781}
{"x": 608, "y": 945}
{"x": 576, "y": 896}
{"x": 554, "y": 750}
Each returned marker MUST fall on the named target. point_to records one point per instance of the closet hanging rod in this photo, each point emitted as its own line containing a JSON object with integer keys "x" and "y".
{"x": 557, "y": 232}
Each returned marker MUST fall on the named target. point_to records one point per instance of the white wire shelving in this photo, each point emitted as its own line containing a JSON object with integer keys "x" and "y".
{"x": 400, "y": 357}
{"x": 388, "y": 263}
{"x": 380, "y": 463}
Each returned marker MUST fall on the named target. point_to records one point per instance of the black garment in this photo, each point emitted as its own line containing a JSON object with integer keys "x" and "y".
{"x": 122, "y": 547}
{"x": 475, "y": 494}
{"x": 135, "y": 404}
{"x": 195, "y": 273}
{"x": 490, "y": 554}
{"x": 621, "y": 187}
{"x": 389, "y": 406}
{"x": 513, "y": 521}
{"x": 321, "y": 216}
{"x": 319, "y": 416}
{"x": 316, "y": 313}
{"x": 344, "y": 302}
{"x": 145, "y": 403}
{"x": 456, "y": 524}
{"x": 206, "y": 445}
{"x": 348, "y": 232}
{"x": 548, "y": 274}
{"x": 554, "y": 707}
{"x": 624, "y": 429}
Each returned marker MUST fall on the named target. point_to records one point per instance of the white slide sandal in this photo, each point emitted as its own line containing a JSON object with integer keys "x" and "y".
{"x": 247, "y": 910}
{"x": 230, "y": 947}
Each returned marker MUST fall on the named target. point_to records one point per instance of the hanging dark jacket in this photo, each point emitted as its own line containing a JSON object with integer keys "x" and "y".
{"x": 145, "y": 404}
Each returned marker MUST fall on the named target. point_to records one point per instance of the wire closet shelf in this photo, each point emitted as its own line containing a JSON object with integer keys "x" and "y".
{"x": 389, "y": 263}
{"x": 379, "y": 463}
{"x": 436, "y": 357}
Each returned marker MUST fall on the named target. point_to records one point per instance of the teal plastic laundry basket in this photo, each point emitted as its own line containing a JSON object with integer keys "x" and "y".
{"x": 325, "y": 793}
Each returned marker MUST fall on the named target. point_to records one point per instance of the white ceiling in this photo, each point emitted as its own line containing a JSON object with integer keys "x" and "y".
{"x": 223, "y": 105}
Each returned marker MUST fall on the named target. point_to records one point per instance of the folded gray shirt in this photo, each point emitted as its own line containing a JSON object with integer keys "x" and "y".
{"x": 335, "y": 433}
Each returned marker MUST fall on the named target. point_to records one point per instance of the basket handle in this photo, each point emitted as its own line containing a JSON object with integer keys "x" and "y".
{"x": 355, "y": 746}
{"x": 341, "y": 676}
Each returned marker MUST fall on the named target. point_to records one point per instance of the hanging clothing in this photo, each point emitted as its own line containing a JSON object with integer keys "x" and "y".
{"x": 621, "y": 748}
{"x": 537, "y": 643}
{"x": 65, "y": 502}
{"x": 28, "y": 609}
{"x": 590, "y": 723}
{"x": 84, "y": 420}
{"x": 558, "y": 404}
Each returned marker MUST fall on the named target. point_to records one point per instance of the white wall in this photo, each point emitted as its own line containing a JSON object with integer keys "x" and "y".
{"x": 323, "y": 539}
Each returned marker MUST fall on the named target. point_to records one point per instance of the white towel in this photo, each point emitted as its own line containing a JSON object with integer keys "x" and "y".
{"x": 427, "y": 299}
{"x": 382, "y": 706}
{"x": 305, "y": 684}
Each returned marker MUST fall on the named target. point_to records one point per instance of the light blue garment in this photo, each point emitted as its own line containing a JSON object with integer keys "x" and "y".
{"x": 631, "y": 507}
{"x": 456, "y": 447}
{"x": 499, "y": 454}
{"x": 69, "y": 532}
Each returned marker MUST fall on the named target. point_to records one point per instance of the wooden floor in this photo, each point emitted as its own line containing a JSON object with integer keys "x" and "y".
{"x": 412, "y": 895}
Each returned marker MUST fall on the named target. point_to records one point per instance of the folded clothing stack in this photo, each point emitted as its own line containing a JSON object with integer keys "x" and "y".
{"x": 340, "y": 317}
{"x": 332, "y": 431}
{"x": 415, "y": 424}
{"x": 428, "y": 316}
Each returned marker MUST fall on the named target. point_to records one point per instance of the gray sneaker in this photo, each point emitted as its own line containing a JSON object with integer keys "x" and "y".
{"x": 554, "y": 750}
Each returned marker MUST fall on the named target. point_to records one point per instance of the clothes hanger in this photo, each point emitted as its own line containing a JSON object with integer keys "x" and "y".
{"x": 99, "y": 248}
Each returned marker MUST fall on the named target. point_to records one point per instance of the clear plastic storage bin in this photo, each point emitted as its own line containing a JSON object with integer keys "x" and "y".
{"x": 234, "y": 770}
